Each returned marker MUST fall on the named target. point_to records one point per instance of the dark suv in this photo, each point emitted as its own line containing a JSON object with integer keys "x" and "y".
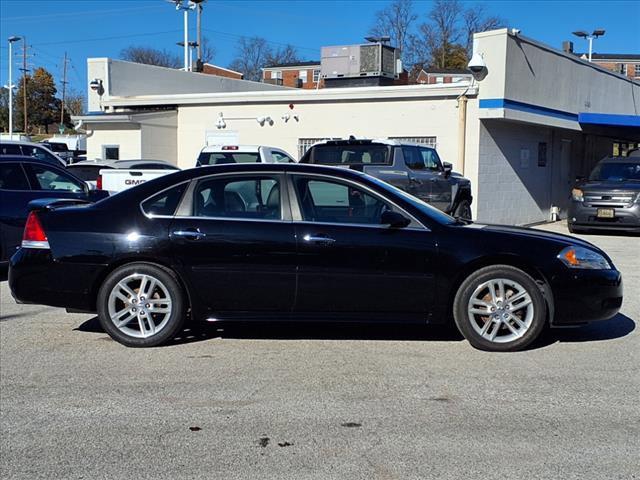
{"x": 414, "y": 168}
{"x": 610, "y": 198}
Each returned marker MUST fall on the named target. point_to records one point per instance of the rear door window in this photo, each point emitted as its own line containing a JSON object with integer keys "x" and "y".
{"x": 47, "y": 178}
{"x": 10, "y": 149}
{"x": 234, "y": 197}
{"x": 164, "y": 203}
{"x": 12, "y": 177}
{"x": 39, "y": 153}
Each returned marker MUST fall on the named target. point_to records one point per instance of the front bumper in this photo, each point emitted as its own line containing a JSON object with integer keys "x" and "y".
{"x": 583, "y": 296}
{"x": 626, "y": 218}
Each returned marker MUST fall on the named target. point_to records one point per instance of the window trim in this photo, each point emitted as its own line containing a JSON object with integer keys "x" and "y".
{"x": 296, "y": 211}
{"x": 110, "y": 145}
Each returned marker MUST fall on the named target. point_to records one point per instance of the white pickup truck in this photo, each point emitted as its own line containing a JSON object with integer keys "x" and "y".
{"x": 117, "y": 175}
{"x": 221, "y": 154}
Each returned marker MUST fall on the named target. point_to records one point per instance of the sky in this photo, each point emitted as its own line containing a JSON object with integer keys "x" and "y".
{"x": 102, "y": 28}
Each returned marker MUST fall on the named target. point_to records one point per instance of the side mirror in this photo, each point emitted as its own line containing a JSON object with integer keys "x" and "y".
{"x": 394, "y": 219}
{"x": 97, "y": 195}
{"x": 448, "y": 168}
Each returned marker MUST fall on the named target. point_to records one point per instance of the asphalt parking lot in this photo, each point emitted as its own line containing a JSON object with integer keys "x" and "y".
{"x": 325, "y": 402}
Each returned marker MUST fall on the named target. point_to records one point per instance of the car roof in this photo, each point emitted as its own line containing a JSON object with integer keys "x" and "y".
{"x": 371, "y": 141}
{"x": 630, "y": 159}
{"x": 26, "y": 158}
{"x": 236, "y": 148}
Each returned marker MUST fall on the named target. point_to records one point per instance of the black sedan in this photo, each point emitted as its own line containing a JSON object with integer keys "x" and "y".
{"x": 23, "y": 179}
{"x": 303, "y": 242}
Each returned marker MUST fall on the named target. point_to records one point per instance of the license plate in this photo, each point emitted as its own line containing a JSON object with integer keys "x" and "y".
{"x": 605, "y": 213}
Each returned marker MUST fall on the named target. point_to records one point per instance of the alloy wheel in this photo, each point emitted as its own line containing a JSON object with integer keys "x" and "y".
{"x": 139, "y": 305}
{"x": 500, "y": 310}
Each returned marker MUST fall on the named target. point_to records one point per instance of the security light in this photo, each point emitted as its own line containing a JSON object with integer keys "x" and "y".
{"x": 598, "y": 33}
{"x": 581, "y": 33}
{"x": 14, "y": 38}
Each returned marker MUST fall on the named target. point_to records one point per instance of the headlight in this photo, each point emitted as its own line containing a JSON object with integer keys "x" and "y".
{"x": 577, "y": 195}
{"x": 579, "y": 257}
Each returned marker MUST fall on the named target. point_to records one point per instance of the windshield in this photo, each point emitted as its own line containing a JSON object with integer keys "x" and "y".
{"x": 219, "y": 158}
{"x": 350, "y": 155}
{"x": 616, "y": 171}
{"x": 424, "y": 207}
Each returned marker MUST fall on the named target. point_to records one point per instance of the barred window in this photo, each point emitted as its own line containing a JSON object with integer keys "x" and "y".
{"x": 636, "y": 70}
{"x": 428, "y": 141}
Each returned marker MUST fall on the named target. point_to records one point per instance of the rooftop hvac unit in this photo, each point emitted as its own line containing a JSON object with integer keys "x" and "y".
{"x": 367, "y": 60}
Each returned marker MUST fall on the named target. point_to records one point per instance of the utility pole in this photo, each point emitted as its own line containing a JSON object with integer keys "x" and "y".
{"x": 24, "y": 83}
{"x": 64, "y": 91}
{"x": 10, "y": 86}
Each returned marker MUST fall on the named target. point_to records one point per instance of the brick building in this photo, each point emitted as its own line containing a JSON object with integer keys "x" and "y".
{"x": 296, "y": 75}
{"x": 624, "y": 64}
{"x": 430, "y": 76}
{"x": 210, "y": 69}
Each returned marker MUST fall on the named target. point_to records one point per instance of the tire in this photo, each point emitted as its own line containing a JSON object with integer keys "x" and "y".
{"x": 463, "y": 210}
{"x": 573, "y": 229}
{"x": 141, "y": 320}
{"x": 510, "y": 331}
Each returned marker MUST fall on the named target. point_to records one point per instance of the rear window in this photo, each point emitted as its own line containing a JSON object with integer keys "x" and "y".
{"x": 56, "y": 147}
{"x": 219, "y": 158}
{"x": 350, "y": 155}
{"x": 87, "y": 173}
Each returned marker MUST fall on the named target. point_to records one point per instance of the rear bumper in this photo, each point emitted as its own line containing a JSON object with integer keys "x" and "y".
{"x": 35, "y": 277}
{"x": 627, "y": 218}
{"x": 583, "y": 296}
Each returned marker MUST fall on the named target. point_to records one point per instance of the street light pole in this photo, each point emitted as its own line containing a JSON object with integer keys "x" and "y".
{"x": 10, "y": 86}
{"x": 585, "y": 35}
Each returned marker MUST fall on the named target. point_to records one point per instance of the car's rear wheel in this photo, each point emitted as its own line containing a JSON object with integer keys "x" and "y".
{"x": 500, "y": 308}
{"x": 141, "y": 305}
{"x": 463, "y": 210}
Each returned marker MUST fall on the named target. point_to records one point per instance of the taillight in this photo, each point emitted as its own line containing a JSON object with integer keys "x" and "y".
{"x": 34, "y": 236}
{"x": 99, "y": 182}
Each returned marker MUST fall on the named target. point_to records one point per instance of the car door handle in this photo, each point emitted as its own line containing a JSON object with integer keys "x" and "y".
{"x": 189, "y": 234}
{"x": 318, "y": 239}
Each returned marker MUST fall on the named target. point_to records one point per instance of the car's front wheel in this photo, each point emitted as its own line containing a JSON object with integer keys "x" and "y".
{"x": 500, "y": 308}
{"x": 141, "y": 305}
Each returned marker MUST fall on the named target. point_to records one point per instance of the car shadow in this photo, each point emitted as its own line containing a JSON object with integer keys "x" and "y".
{"x": 617, "y": 327}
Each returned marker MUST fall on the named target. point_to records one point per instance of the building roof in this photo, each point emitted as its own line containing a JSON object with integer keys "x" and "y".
{"x": 222, "y": 68}
{"x": 611, "y": 56}
{"x": 310, "y": 63}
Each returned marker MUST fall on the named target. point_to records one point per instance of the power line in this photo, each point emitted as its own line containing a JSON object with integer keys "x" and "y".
{"x": 84, "y": 12}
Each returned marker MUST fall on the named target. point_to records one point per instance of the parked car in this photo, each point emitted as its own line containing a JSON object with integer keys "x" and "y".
{"x": 610, "y": 198}
{"x": 414, "y": 168}
{"x": 60, "y": 149}
{"x": 23, "y": 179}
{"x": 301, "y": 242}
{"x": 89, "y": 171}
{"x": 76, "y": 143}
{"x": 29, "y": 149}
{"x": 223, "y": 154}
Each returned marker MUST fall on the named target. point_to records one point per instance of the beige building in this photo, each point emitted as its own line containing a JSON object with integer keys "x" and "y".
{"x": 520, "y": 133}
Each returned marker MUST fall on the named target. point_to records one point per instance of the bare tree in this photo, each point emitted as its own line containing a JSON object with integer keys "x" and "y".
{"x": 207, "y": 51}
{"x": 396, "y": 21}
{"x": 446, "y": 38}
{"x": 251, "y": 54}
{"x": 286, "y": 54}
{"x": 254, "y": 53}
{"x": 475, "y": 21}
{"x": 151, "y": 56}
{"x": 74, "y": 103}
